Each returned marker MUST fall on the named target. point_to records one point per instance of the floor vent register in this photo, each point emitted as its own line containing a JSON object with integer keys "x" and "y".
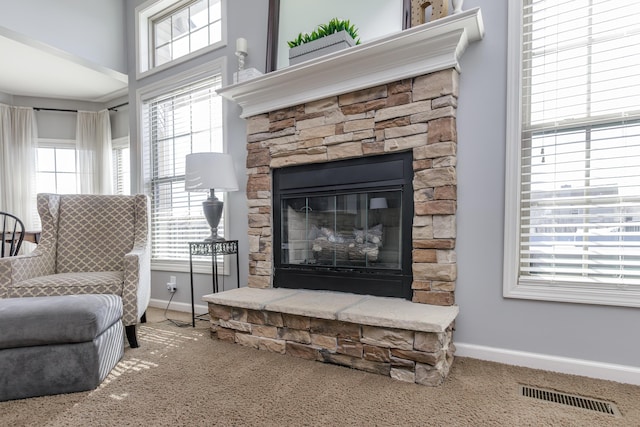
{"x": 587, "y": 403}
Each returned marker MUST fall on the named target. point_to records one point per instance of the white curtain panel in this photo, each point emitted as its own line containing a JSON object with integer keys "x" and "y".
{"x": 18, "y": 141}
{"x": 93, "y": 141}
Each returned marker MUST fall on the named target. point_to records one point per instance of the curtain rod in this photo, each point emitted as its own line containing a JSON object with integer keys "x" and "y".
{"x": 55, "y": 109}
{"x": 114, "y": 108}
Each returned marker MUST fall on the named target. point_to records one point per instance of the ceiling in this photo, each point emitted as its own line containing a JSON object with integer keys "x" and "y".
{"x": 31, "y": 68}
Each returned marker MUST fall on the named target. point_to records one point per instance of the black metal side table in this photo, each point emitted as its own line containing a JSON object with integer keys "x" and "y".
{"x": 212, "y": 250}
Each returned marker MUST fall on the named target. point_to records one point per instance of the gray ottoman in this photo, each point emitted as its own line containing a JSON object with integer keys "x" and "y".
{"x": 61, "y": 344}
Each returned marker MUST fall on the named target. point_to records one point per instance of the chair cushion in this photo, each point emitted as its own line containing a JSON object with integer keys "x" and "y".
{"x": 99, "y": 282}
{"x": 56, "y": 320}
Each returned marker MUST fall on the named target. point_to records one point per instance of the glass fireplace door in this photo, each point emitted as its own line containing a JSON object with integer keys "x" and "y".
{"x": 352, "y": 230}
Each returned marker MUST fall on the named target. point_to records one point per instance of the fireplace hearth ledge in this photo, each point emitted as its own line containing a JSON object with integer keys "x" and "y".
{"x": 406, "y": 341}
{"x": 360, "y": 309}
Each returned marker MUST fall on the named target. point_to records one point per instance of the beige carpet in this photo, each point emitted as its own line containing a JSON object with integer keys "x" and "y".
{"x": 180, "y": 376}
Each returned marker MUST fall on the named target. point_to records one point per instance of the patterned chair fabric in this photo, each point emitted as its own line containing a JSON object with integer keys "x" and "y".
{"x": 90, "y": 244}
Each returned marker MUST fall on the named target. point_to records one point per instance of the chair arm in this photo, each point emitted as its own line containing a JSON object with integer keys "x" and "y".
{"x": 137, "y": 284}
{"x": 5, "y": 276}
{"x": 22, "y": 267}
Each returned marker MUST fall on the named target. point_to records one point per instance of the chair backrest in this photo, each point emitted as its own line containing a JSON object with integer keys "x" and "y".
{"x": 12, "y": 230}
{"x": 94, "y": 232}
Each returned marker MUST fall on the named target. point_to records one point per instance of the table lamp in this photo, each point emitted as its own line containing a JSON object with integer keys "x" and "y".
{"x": 207, "y": 172}
{"x": 378, "y": 203}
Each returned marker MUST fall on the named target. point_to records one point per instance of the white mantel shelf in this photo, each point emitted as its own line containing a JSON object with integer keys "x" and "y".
{"x": 423, "y": 49}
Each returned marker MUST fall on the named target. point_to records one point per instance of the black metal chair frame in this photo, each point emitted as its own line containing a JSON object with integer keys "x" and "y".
{"x": 12, "y": 235}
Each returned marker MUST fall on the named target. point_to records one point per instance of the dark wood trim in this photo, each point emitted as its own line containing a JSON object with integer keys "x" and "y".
{"x": 406, "y": 14}
{"x": 272, "y": 35}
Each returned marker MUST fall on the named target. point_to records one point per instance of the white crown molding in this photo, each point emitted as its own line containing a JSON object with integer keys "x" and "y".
{"x": 416, "y": 51}
{"x": 564, "y": 365}
{"x": 113, "y": 95}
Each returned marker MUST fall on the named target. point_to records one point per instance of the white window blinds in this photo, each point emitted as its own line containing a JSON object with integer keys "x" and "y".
{"x": 186, "y": 120}
{"x": 580, "y": 144}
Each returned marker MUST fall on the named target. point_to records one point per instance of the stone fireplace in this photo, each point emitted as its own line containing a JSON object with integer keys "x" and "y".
{"x": 317, "y": 133}
{"x": 414, "y": 115}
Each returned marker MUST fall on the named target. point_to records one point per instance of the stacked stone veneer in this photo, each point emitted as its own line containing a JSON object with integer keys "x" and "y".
{"x": 411, "y": 356}
{"x": 415, "y": 114}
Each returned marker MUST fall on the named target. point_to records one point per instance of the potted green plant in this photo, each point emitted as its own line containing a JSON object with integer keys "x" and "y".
{"x": 326, "y": 38}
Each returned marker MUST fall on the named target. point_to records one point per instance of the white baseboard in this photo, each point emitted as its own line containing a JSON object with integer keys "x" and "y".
{"x": 587, "y": 368}
{"x": 177, "y": 306}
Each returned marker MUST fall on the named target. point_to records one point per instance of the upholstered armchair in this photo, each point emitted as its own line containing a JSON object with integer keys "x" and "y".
{"x": 90, "y": 244}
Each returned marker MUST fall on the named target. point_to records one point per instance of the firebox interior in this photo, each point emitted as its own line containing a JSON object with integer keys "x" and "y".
{"x": 345, "y": 226}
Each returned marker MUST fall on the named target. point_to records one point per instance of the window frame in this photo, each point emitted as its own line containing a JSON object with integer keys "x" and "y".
{"x": 217, "y": 66}
{"x": 144, "y": 15}
{"x": 584, "y": 293}
{"x": 119, "y": 144}
{"x": 56, "y": 143}
{"x": 64, "y": 144}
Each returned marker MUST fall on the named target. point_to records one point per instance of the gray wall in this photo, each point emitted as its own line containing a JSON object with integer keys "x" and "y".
{"x": 119, "y": 117}
{"x": 248, "y": 19}
{"x": 599, "y": 333}
{"x": 6, "y": 98}
{"x": 91, "y": 29}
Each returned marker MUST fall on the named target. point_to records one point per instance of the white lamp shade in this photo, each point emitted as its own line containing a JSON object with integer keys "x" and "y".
{"x": 205, "y": 171}
{"x": 378, "y": 203}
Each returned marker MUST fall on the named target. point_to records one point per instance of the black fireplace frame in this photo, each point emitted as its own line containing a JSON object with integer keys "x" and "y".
{"x": 387, "y": 171}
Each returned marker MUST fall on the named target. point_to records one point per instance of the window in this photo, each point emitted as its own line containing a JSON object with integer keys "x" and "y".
{"x": 573, "y": 153}
{"x": 169, "y": 31}
{"x": 121, "y": 166}
{"x": 186, "y": 30}
{"x": 185, "y": 119}
{"x": 55, "y": 170}
{"x": 56, "y": 167}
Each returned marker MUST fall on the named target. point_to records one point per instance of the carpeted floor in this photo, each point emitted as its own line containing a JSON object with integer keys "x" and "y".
{"x": 180, "y": 376}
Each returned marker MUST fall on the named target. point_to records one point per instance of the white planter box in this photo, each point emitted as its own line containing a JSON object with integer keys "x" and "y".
{"x": 322, "y": 46}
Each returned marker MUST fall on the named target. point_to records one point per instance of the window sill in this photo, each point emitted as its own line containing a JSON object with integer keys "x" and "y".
{"x": 151, "y": 71}
{"x": 199, "y": 267}
{"x": 580, "y": 294}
